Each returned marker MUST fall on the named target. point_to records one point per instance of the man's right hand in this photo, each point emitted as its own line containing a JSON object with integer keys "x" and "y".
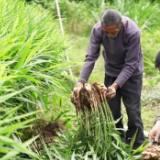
{"x": 155, "y": 132}
{"x": 78, "y": 87}
{"x": 75, "y": 92}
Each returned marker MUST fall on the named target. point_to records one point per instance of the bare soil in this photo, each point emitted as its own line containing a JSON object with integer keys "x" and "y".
{"x": 46, "y": 131}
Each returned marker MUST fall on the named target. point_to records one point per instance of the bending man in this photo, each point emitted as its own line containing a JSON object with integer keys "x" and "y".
{"x": 123, "y": 58}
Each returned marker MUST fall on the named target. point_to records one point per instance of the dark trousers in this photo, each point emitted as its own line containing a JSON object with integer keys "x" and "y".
{"x": 130, "y": 93}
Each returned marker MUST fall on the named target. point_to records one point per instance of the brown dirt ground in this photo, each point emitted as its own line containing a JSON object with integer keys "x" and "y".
{"x": 46, "y": 131}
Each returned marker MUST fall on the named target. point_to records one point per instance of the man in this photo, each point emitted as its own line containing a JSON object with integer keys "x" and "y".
{"x": 155, "y": 131}
{"x": 123, "y": 59}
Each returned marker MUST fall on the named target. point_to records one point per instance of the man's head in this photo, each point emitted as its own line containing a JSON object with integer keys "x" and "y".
{"x": 157, "y": 61}
{"x": 111, "y": 21}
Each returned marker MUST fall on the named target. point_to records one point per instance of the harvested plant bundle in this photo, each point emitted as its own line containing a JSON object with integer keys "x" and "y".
{"x": 97, "y": 128}
{"x": 152, "y": 152}
{"x": 89, "y": 96}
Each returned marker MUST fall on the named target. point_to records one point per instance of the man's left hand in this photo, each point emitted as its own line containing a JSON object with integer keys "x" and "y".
{"x": 111, "y": 91}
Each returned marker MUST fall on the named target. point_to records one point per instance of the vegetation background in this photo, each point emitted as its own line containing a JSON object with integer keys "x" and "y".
{"x": 35, "y": 82}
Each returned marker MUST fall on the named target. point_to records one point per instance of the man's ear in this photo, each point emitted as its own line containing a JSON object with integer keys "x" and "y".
{"x": 121, "y": 24}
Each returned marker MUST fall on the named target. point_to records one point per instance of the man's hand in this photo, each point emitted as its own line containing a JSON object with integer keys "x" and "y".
{"x": 78, "y": 87}
{"x": 155, "y": 132}
{"x": 75, "y": 92}
{"x": 111, "y": 91}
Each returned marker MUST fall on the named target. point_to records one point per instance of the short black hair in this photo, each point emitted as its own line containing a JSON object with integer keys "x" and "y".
{"x": 111, "y": 16}
{"x": 157, "y": 60}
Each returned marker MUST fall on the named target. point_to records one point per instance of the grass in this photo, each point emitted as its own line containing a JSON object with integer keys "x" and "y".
{"x": 32, "y": 63}
{"x": 32, "y": 53}
{"x": 11, "y": 125}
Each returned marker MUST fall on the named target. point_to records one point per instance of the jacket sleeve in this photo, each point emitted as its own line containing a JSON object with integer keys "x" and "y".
{"x": 133, "y": 50}
{"x": 158, "y": 118}
{"x": 91, "y": 56}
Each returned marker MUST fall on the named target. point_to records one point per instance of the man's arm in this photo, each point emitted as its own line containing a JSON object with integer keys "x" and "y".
{"x": 92, "y": 55}
{"x": 111, "y": 90}
{"x": 132, "y": 59}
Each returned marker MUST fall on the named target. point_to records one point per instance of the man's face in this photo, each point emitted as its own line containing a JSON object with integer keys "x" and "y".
{"x": 112, "y": 30}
